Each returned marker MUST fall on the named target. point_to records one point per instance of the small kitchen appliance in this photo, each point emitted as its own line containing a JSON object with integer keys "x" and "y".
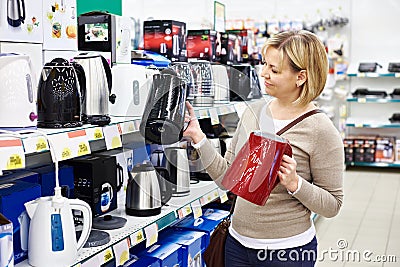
{"x": 17, "y": 104}
{"x": 15, "y": 12}
{"x": 59, "y": 94}
{"x": 98, "y": 88}
{"x": 147, "y": 191}
{"x": 164, "y": 116}
{"x": 177, "y": 164}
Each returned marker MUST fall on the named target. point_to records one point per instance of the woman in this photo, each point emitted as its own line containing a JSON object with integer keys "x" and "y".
{"x": 281, "y": 233}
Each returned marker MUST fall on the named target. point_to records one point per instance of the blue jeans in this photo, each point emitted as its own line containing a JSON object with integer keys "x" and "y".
{"x": 236, "y": 255}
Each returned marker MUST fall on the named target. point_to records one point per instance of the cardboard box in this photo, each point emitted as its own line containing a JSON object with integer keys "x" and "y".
{"x": 166, "y": 254}
{"x": 6, "y": 242}
{"x": 385, "y": 149}
{"x": 201, "y": 44}
{"x": 247, "y": 42}
{"x": 192, "y": 242}
{"x": 13, "y": 196}
{"x": 167, "y": 38}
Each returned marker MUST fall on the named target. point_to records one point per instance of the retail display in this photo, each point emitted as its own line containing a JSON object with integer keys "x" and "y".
{"x": 59, "y": 94}
{"x": 368, "y": 67}
{"x": 98, "y": 88}
{"x": 202, "y": 44}
{"x": 205, "y": 91}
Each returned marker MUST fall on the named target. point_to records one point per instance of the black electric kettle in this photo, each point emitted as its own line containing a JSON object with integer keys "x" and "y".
{"x": 164, "y": 116}
{"x": 59, "y": 94}
{"x": 147, "y": 191}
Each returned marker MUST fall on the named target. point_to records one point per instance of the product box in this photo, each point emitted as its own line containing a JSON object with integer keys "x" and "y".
{"x": 348, "y": 144}
{"x": 359, "y": 149}
{"x": 166, "y": 37}
{"x": 369, "y": 149}
{"x": 247, "y": 42}
{"x": 397, "y": 150}
{"x": 47, "y": 179}
{"x": 95, "y": 182}
{"x": 201, "y": 44}
{"x": 192, "y": 242}
{"x": 13, "y": 196}
{"x": 6, "y": 242}
{"x": 166, "y": 254}
{"x": 206, "y": 223}
{"x": 385, "y": 149}
{"x": 134, "y": 261}
{"x": 59, "y": 25}
{"x": 230, "y": 49}
{"x": 21, "y": 21}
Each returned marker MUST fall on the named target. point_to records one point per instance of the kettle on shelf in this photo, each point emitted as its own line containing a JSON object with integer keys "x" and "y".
{"x": 15, "y": 12}
{"x": 17, "y": 92}
{"x": 98, "y": 88}
{"x": 177, "y": 164}
{"x": 59, "y": 94}
{"x": 52, "y": 241}
{"x": 147, "y": 190}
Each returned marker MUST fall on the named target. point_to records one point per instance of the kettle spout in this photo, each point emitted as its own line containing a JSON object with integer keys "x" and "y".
{"x": 30, "y": 207}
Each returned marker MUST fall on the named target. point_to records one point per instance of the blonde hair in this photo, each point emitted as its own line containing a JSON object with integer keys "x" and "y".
{"x": 304, "y": 51}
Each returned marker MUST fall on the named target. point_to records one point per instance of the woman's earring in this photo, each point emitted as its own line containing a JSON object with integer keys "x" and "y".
{"x": 297, "y": 84}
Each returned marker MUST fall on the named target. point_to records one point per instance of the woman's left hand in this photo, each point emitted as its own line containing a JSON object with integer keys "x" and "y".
{"x": 287, "y": 173}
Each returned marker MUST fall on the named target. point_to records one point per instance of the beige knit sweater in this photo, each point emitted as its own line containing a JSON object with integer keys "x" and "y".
{"x": 318, "y": 150}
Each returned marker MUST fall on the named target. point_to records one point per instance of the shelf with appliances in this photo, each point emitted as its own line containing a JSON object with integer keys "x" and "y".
{"x": 139, "y": 229}
{"x": 370, "y": 124}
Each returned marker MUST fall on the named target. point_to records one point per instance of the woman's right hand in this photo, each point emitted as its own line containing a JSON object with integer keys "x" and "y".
{"x": 193, "y": 129}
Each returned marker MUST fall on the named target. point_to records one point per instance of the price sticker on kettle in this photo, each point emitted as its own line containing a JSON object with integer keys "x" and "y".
{"x": 12, "y": 155}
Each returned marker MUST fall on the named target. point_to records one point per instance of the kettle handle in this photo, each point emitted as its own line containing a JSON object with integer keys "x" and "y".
{"x": 107, "y": 69}
{"x": 77, "y": 204}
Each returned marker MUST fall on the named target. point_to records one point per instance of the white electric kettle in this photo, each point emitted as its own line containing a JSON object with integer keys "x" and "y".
{"x": 52, "y": 240}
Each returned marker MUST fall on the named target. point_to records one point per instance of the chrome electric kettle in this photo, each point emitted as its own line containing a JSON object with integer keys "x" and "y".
{"x": 98, "y": 88}
{"x": 15, "y": 12}
{"x": 177, "y": 164}
{"x": 147, "y": 191}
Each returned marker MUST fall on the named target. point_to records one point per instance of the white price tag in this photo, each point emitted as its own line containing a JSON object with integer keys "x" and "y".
{"x": 137, "y": 237}
{"x": 112, "y": 136}
{"x": 222, "y": 195}
{"x": 397, "y": 75}
{"x": 128, "y": 127}
{"x": 105, "y": 256}
{"x": 214, "y": 116}
{"x": 92, "y": 262}
{"x": 196, "y": 207}
{"x": 70, "y": 145}
{"x": 183, "y": 212}
{"x": 95, "y": 133}
{"x": 12, "y": 154}
{"x": 151, "y": 233}
{"x": 35, "y": 144}
{"x": 121, "y": 251}
{"x": 203, "y": 114}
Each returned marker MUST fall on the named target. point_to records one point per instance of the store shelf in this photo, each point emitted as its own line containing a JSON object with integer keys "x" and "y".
{"x": 373, "y": 74}
{"x": 349, "y": 123}
{"x": 200, "y": 194}
{"x": 373, "y": 100}
{"x": 373, "y": 164}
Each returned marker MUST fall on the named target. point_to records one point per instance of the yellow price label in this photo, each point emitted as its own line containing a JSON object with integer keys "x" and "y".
{"x": 83, "y": 149}
{"x": 14, "y": 162}
{"x": 131, "y": 127}
{"x": 41, "y": 144}
{"x": 152, "y": 240}
{"x": 139, "y": 236}
{"x": 108, "y": 255}
{"x": 98, "y": 134}
{"x": 66, "y": 153}
{"x": 123, "y": 258}
{"x": 216, "y": 194}
{"x": 116, "y": 142}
